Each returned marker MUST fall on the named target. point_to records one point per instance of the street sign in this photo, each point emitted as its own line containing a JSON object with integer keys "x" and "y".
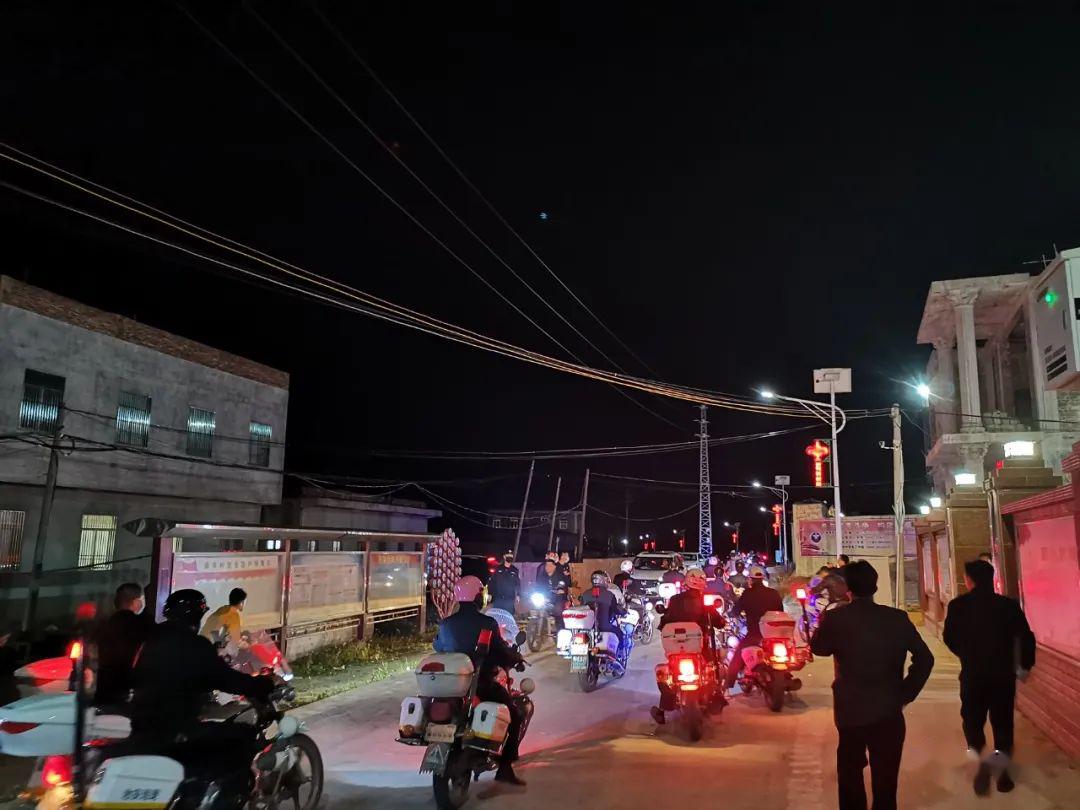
{"x": 832, "y": 380}
{"x": 782, "y": 481}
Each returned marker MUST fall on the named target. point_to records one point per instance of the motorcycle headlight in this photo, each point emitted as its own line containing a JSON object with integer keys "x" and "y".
{"x": 538, "y": 600}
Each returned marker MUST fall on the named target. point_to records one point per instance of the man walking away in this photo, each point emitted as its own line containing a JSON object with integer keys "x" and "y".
{"x": 990, "y": 635}
{"x": 870, "y": 643}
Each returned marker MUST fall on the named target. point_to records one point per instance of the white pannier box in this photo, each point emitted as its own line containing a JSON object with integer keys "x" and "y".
{"x": 581, "y": 618}
{"x": 490, "y": 721}
{"x": 681, "y": 637}
{"x": 413, "y": 720}
{"x": 135, "y": 782}
{"x": 607, "y": 644}
{"x": 631, "y": 618}
{"x": 562, "y": 640}
{"x": 444, "y": 675}
{"x": 777, "y": 624}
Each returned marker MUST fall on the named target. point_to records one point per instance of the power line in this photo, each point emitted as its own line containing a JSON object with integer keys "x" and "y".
{"x": 656, "y": 519}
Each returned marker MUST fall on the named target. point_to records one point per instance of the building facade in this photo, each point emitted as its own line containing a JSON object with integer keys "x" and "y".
{"x": 149, "y": 424}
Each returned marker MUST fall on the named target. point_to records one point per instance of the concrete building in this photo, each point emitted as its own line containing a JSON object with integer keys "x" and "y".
{"x": 502, "y": 528}
{"x": 152, "y": 425}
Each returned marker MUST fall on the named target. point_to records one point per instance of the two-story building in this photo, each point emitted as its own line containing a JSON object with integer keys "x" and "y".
{"x": 147, "y": 424}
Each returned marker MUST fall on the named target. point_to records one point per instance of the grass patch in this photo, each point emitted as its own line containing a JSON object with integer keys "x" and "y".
{"x": 333, "y": 670}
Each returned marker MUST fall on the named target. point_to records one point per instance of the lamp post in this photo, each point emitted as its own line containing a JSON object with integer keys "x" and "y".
{"x": 832, "y": 381}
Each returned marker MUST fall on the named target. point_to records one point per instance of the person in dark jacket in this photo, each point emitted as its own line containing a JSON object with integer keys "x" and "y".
{"x": 175, "y": 671}
{"x": 625, "y": 578}
{"x": 604, "y": 604}
{"x": 504, "y": 586}
{"x": 990, "y": 635}
{"x": 551, "y": 581}
{"x": 118, "y": 640}
{"x": 565, "y": 570}
{"x": 870, "y": 643}
{"x": 756, "y": 601}
{"x": 9, "y": 662}
{"x": 831, "y": 582}
{"x": 460, "y": 633}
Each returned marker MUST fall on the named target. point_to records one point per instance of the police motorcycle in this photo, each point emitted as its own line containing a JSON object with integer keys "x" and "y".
{"x": 463, "y": 735}
{"x": 593, "y": 652}
{"x": 643, "y": 618}
{"x": 769, "y": 668}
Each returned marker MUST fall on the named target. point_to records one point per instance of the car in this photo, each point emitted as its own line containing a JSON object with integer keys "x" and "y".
{"x": 650, "y": 567}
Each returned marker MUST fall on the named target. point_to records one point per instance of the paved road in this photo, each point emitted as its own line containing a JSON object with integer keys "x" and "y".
{"x": 603, "y": 746}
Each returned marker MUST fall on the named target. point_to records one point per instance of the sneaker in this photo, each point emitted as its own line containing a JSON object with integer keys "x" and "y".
{"x": 505, "y": 775}
{"x": 982, "y": 780}
{"x": 657, "y": 715}
{"x": 973, "y": 754}
{"x": 1005, "y": 784}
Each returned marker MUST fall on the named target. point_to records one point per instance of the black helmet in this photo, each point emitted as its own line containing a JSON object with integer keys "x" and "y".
{"x": 186, "y": 606}
{"x": 600, "y": 578}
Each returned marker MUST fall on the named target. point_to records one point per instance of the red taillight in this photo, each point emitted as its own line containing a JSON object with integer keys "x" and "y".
{"x": 581, "y": 638}
{"x": 780, "y": 652}
{"x": 56, "y": 770}
{"x": 433, "y": 666}
{"x": 686, "y": 667}
{"x": 686, "y": 670}
{"x": 440, "y": 711}
{"x": 75, "y": 650}
{"x": 800, "y": 594}
{"x": 13, "y": 727}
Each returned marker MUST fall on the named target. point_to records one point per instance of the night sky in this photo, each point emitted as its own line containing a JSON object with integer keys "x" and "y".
{"x": 741, "y": 191}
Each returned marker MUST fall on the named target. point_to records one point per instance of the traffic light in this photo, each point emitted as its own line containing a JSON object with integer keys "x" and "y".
{"x": 492, "y": 564}
{"x": 682, "y": 543}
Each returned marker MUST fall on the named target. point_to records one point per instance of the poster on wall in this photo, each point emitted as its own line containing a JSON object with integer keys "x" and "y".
{"x": 863, "y": 537}
{"x": 396, "y": 580}
{"x": 326, "y": 585}
{"x": 216, "y": 574}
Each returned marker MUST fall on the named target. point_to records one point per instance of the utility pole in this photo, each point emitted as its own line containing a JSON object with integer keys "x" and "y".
{"x": 43, "y": 520}
{"x": 554, "y": 512}
{"x": 705, "y": 547}
{"x": 524, "y": 506}
{"x": 898, "y": 504}
{"x": 626, "y": 526}
{"x": 836, "y": 474}
{"x": 584, "y": 509}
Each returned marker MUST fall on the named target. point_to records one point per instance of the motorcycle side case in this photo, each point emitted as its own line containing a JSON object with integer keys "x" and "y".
{"x": 137, "y": 782}
{"x": 490, "y": 721}
{"x": 413, "y": 719}
{"x": 607, "y": 644}
{"x": 562, "y": 640}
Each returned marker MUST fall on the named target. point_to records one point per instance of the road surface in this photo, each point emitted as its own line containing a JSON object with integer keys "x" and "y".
{"x": 604, "y": 747}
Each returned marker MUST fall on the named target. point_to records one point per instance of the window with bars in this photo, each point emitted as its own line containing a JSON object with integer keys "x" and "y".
{"x": 42, "y": 397}
{"x": 133, "y": 419}
{"x": 97, "y": 541}
{"x": 563, "y": 523}
{"x": 11, "y": 534}
{"x": 496, "y": 523}
{"x": 259, "y": 446}
{"x": 200, "y": 432}
{"x": 335, "y": 545}
{"x": 272, "y": 544}
{"x": 231, "y": 544}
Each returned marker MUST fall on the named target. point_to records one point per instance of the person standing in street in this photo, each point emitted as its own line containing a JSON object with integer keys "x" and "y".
{"x": 990, "y": 635}
{"x": 870, "y": 643}
{"x": 504, "y": 586}
{"x": 118, "y": 642}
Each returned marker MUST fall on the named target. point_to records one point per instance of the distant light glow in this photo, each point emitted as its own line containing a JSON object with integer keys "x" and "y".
{"x": 924, "y": 509}
{"x": 768, "y": 395}
{"x": 1050, "y": 297}
{"x": 544, "y": 215}
{"x": 923, "y": 390}
{"x": 755, "y": 484}
{"x": 965, "y": 478}
{"x": 1019, "y": 449}
{"x": 935, "y": 501}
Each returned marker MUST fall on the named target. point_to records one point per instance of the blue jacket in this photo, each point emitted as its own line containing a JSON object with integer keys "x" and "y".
{"x": 460, "y": 633}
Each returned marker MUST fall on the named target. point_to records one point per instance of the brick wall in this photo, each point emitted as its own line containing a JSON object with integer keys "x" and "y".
{"x": 1051, "y": 698}
{"x": 33, "y": 299}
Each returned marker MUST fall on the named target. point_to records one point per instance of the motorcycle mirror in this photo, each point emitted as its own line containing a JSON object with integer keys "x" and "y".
{"x": 519, "y": 639}
{"x": 527, "y": 686}
{"x": 659, "y": 608}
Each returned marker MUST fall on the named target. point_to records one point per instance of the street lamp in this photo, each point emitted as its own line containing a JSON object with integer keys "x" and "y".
{"x": 762, "y": 509}
{"x": 923, "y": 390}
{"x": 625, "y": 542}
{"x": 833, "y": 381}
{"x": 727, "y": 525}
{"x": 755, "y": 484}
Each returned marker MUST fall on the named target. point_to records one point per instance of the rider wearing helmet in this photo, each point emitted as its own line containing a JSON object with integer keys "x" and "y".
{"x": 625, "y": 575}
{"x": 605, "y": 604}
{"x": 688, "y": 606}
{"x": 460, "y": 633}
{"x": 756, "y": 601}
{"x": 174, "y": 672}
{"x": 712, "y": 567}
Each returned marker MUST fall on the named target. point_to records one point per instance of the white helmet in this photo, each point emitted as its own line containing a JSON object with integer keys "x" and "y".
{"x": 467, "y": 589}
{"x": 757, "y": 572}
{"x": 713, "y": 560}
{"x": 695, "y": 578}
{"x": 626, "y": 566}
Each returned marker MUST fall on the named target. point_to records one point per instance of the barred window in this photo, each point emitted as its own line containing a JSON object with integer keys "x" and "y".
{"x": 496, "y": 523}
{"x": 563, "y": 523}
{"x": 98, "y": 541}
{"x": 133, "y": 419}
{"x": 200, "y": 432}
{"x": 231, "y": 544}
{"x": 335, "y": 545}
{"x": 40, "y": 406}
{"x": 259, "y": 445}
{"x": 11, "y": 534}
{"x": 272, "y": 544}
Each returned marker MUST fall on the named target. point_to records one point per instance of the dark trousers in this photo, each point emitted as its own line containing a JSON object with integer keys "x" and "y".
{"x": 490, "y": 690}
{"x": 737, "y": 662}
{"x": 884, "y": 742}
{"x": 994, "y": 698}
{"x": 509, "y": 605}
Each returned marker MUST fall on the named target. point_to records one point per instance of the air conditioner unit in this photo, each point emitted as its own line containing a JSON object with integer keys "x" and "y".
{"x": 1057, "y": 308}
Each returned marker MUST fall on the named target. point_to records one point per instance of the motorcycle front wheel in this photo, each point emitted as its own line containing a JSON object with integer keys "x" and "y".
{"x": 536, "y": 630}
{"x": 693, "y": 717}
{"x": 588, "y": 679}
{"x": 648, "y": 633}
{"x": 302, "y": 787}
{"x": 451, "y": 789}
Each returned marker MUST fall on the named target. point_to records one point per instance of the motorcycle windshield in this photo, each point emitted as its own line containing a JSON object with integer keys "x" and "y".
{"x": 508, "y": 628}
{"x": 256, "y": 651}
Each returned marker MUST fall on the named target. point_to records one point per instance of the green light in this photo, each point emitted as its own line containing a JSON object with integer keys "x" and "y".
{"x": 1050, "y": 297}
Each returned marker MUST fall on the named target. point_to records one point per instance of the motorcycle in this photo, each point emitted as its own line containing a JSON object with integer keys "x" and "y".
{"x": 692, "y": 673}
{"x": 645, "y": 627}
{"x": 464, "y": 736}
{"x": 768, "y": 668}
{"x": 594, "y": 653}
{"x": 541, "y": 619}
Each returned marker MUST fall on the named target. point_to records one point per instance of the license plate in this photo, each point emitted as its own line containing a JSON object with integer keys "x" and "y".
{"x": 441, "y": 733}
{"x": 579, "y": 649}
{"x": 579, "y": 663}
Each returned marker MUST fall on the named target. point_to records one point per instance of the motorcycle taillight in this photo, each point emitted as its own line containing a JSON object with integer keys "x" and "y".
{"x": 686, "y": 670}
{"x": 581, "y": 638}
{"x": 780, "y": 653}
{"x": 440, "y": 711}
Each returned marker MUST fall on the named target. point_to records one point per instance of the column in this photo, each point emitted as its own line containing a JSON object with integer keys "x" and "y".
{"x": 944, "y": 387}
{"x": 987, "y": 369}
{"x": 967, "y": 358}
{"x": 1006, "y": 393}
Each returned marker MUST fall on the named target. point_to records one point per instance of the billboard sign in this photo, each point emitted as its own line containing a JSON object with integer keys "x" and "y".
{"x": 863, "y": 537}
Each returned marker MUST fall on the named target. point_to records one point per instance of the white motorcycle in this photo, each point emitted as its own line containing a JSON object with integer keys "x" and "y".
{"x": 594, "y": 653}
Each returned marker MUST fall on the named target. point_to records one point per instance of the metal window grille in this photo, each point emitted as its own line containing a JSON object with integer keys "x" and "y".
{"x": 200, "y": 432}
{"x": 270, "y": 545}
{"x": 496, "y": 523}
{"x": 40, "y": 406}
{"x": 231, "y": 545}
{"x": 98, "y": 541}
{"x": 259, "y": 448}
{"x": 11, "y": 534}
{"x": 335, "y": 545}
{"x": 133, "y": 419}
{"x": 563, "y": 524}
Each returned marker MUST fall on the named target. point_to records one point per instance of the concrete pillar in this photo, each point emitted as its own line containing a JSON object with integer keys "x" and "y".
{"x": 988, "y": 376}
{"x": 944, "y": 387}
{"x": 967, "y": 358}
{"x": 1006, "y": 392}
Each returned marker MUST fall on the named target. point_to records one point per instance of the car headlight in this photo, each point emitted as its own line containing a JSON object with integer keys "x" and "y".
{"x": 538, "y": 600}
